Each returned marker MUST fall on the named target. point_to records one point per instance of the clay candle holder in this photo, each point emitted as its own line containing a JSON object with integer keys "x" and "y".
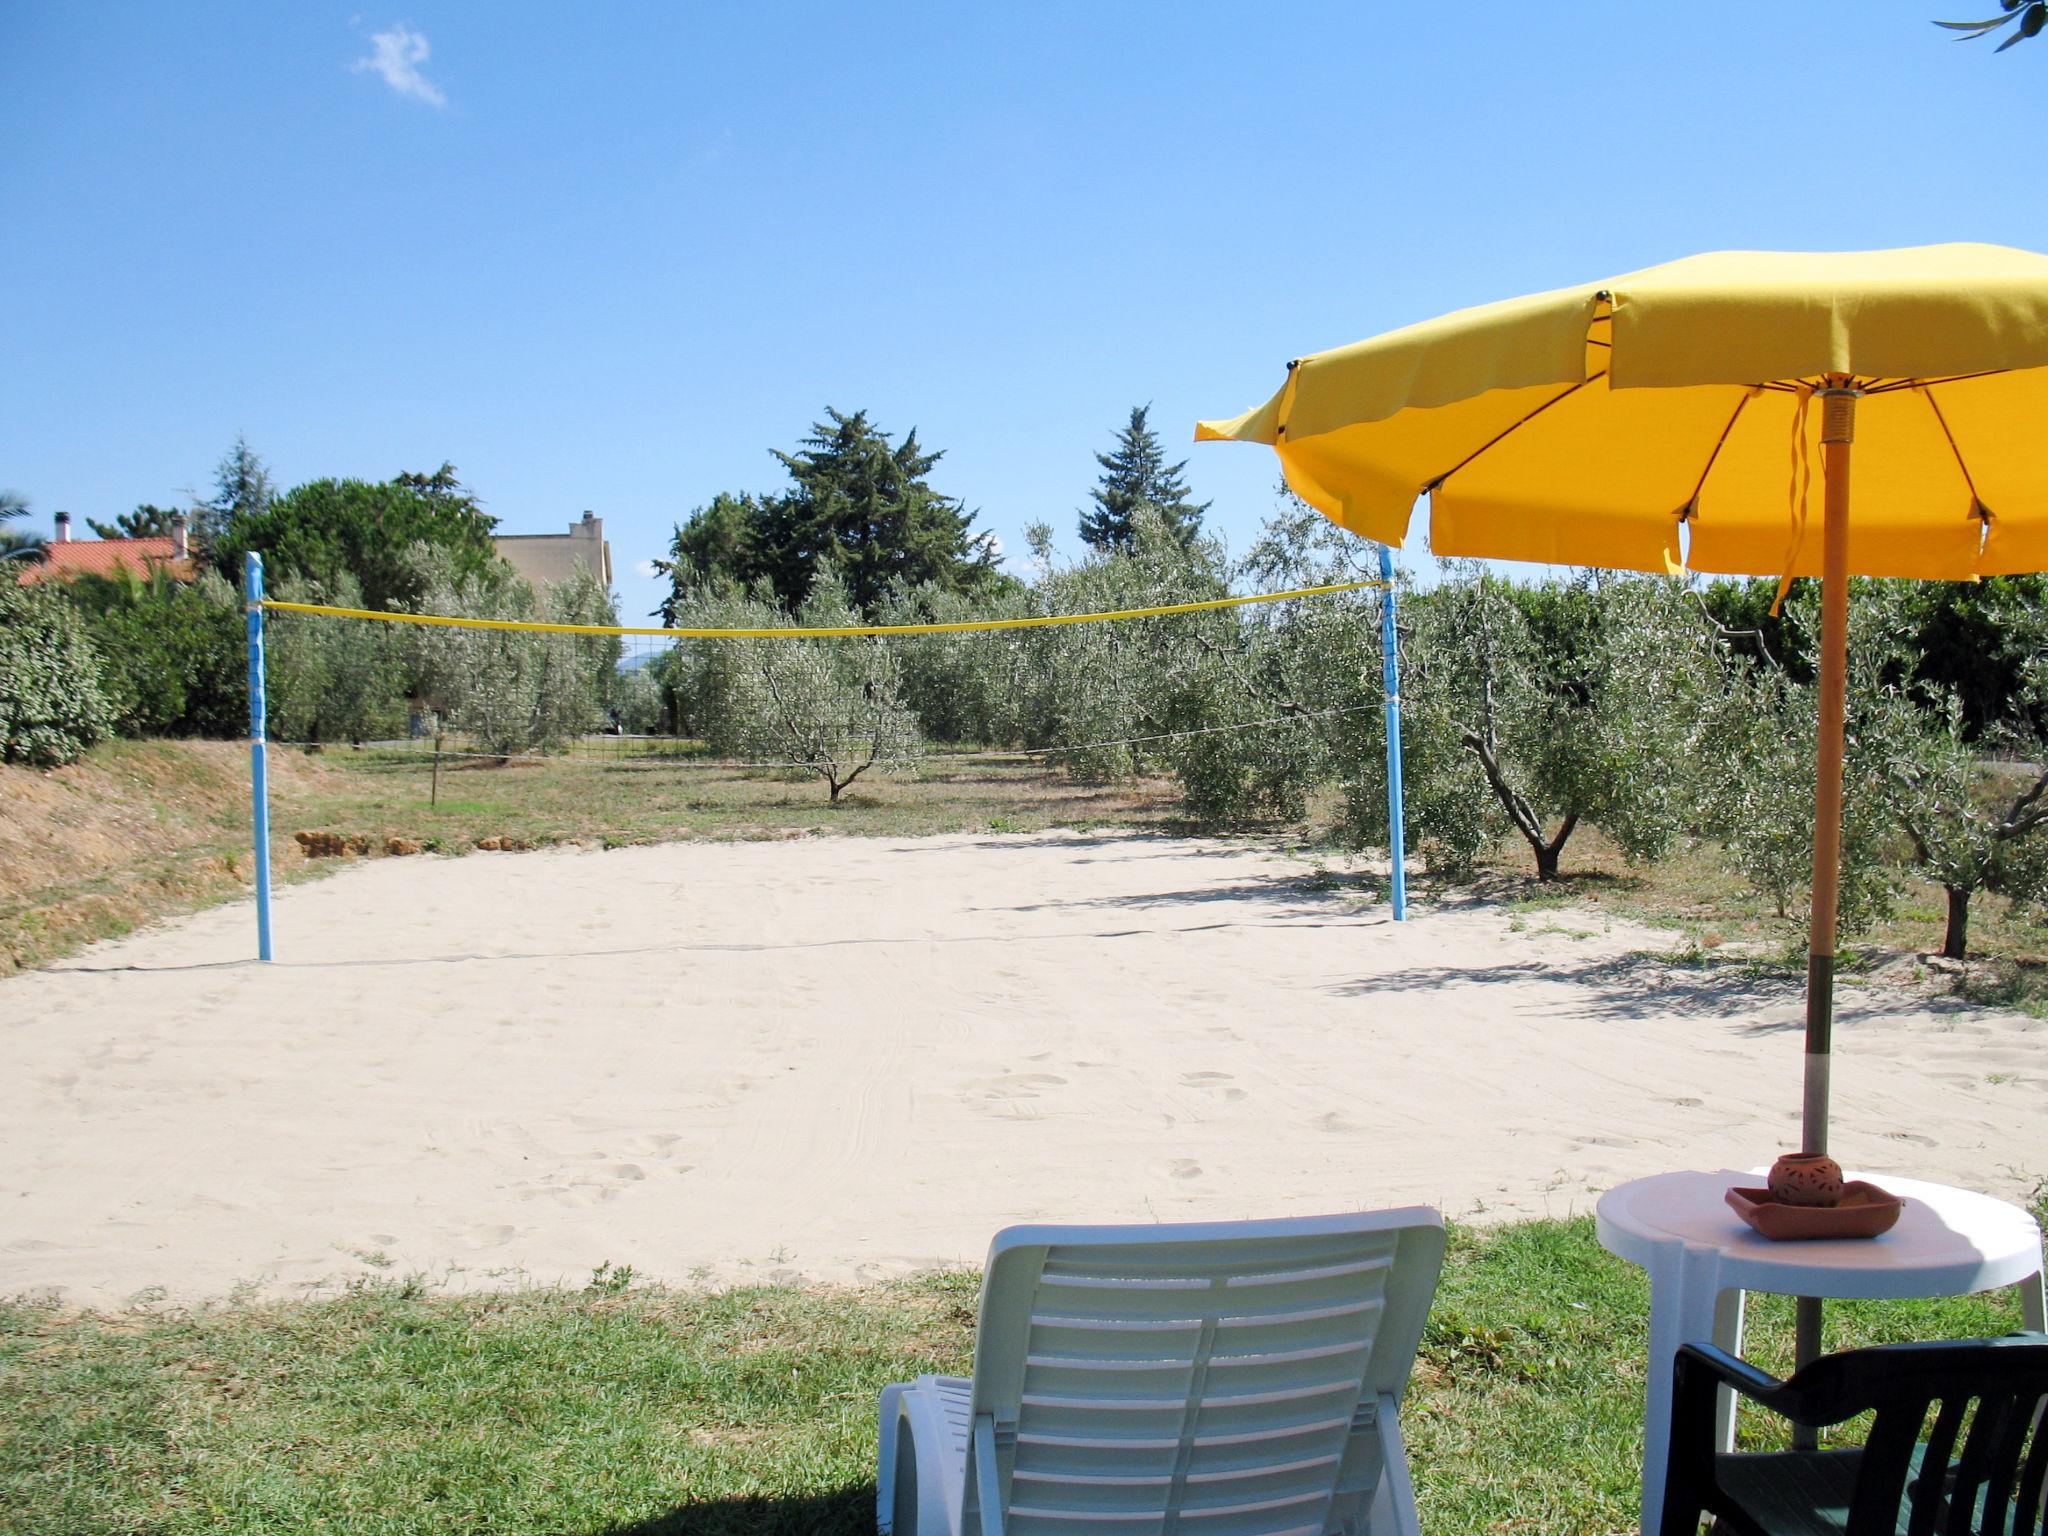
{"x": 1806, "y": 1178}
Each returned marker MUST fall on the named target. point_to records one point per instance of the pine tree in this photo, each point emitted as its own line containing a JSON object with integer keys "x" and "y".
{"x": 1136, "y": 474}
{"x": 241, "y": 490}
{"x": 860, "y": 509}
{"x": 147, "y": 521}
{"x": 863, "y": 506}
{"x": 717, "y": 544}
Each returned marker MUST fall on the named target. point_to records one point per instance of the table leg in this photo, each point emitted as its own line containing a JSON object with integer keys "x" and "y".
{"x": 2033, "y": 1304}
{"x": 1728, "y": 1336}
{"x": 1685, "y": 1307}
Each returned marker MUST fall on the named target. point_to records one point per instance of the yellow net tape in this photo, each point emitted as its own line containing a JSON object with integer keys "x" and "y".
{"x": 1042, "y": 621}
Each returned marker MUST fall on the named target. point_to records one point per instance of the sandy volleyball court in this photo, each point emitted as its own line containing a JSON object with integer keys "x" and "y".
{"x": 844, "y": 1058}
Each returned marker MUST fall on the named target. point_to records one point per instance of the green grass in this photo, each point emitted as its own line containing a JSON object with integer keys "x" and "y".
{"x": 631, "y": 1411}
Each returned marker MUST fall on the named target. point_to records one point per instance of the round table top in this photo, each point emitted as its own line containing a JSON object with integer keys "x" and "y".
{"x": 1947, "y": 1241}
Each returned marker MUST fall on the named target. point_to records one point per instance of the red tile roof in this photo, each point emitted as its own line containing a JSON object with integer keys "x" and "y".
{"x": 104, "y": 557}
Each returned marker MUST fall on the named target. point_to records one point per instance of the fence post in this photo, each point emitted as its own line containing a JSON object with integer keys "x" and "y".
{"x": 259, "y": 767}
{"x": 1390, "y": 676}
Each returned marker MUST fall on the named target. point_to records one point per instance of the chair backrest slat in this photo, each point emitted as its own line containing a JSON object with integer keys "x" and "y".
{"x": 1925, "y": 1495}
{"x": 1967, "y": 1478}
{"x": 2002, "y": 1466}
{"x": 2028, "y": 1514}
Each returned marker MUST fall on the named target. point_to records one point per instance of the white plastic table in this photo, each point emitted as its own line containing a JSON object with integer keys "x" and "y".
{"x": 1701, "y": 1258}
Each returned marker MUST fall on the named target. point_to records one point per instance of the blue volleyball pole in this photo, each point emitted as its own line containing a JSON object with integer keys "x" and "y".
{"x": 1390, "y": 678}
{"x": 259, "y": 767}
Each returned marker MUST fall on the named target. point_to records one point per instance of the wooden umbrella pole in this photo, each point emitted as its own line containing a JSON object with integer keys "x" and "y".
{"x": 1837, "y": 433}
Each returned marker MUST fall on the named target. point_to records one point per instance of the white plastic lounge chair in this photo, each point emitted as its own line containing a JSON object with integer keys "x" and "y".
{"x": 1212, "y": 1379}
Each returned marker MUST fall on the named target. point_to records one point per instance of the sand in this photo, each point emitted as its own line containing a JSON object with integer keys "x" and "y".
{"x": 839, "y": 1059}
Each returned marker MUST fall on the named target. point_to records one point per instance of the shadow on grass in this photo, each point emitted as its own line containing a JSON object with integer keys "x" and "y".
{"x": 849, "y": 1510}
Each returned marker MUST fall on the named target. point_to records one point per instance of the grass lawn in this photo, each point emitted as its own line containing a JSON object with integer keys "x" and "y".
{"x": 621, "y": 1410}
{"x": 620, "y": 801}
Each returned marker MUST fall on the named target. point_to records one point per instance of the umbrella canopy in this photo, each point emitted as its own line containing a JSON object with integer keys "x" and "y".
{"x": 1677, "y": 417}
{"x": 1617, "y": 423}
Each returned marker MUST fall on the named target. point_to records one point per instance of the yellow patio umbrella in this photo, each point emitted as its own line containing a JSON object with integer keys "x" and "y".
{"x": 1677, "y": 417}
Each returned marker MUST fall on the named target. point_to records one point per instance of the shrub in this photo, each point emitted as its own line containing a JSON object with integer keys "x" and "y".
{"x": 174, "y": 655}
{"x": 52, "y": 701}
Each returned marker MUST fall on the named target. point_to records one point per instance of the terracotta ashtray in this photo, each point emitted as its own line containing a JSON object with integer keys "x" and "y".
{"x": 1864, "y": 1211}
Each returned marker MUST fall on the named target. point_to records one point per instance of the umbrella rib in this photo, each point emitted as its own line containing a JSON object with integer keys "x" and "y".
{"x": 1692, "y": 502}
{"x": 1976, "y": 502}
{"x": 1514, "y": 426}
{"x": 1954, "y": 378}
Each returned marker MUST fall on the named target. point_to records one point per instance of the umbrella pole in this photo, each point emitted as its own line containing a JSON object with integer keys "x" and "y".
{"x": 1838, "y": 431}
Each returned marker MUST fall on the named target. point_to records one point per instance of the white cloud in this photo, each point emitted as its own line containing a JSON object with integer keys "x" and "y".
{"x": 398, "y": 57}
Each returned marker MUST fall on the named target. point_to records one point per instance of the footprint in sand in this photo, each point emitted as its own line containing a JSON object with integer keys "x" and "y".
{"x": 1184, "y": 1168}
{"x": 583, "y": 1192}
{"x": 1016, "y": 1085}
{"x": 662, "y": 1145}
{"x": 493, "y": 1234}
{"x": 1216, "y": 1082}
{"x": 1334, "y": 1121}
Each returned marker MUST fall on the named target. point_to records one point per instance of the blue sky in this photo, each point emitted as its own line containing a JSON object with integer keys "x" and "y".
{"x": 606, "y": 257}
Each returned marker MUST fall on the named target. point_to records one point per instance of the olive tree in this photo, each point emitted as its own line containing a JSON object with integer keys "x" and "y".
{"x": 509, "y": 691}
{"x": 1971, "y": 809}
{"x": 329, "y": 679}
{"x": 964, "y": 686}
{"x": 1754, "y": 750}
{"x": 1574, "y": 703}
{"x": 639, "y": 704}
{"x": 835, "y": 707}
{"x": 1093, "y": 692}
{"x": 1300, "y": 680}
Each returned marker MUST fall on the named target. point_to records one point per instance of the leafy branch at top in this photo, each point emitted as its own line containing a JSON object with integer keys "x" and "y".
{"x": 2032, "y": 16}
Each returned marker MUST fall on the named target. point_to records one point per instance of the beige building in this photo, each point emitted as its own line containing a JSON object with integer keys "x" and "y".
{"x": 546, "y": 558}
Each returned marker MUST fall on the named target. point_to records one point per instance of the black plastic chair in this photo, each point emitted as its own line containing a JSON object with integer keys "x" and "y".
{"x": 1977, "y": 1469}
